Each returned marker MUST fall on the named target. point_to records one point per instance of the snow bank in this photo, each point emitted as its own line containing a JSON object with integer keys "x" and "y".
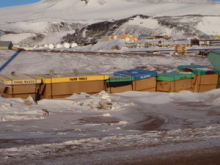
{"x": 18, "y": 109}
{"x": 83, "y": 102}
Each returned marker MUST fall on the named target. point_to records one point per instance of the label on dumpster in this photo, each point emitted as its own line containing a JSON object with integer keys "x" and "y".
{"x": 18, "y": 80}
{"x": 78, "y": 78}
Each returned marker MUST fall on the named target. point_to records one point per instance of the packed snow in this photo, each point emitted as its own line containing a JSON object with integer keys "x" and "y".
{"x": 81, "y": 124}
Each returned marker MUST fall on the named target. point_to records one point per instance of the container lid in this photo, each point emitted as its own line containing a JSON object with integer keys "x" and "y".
{"x": 198, "y": 69}
{"x": 174, "y": 76}
{"x": 19, "y": 79}
{"x": 216, "y": 51}
{"x": 214, "y": 58}
{"x": 71, "y": 77}
{"x": 119, "y": 79}
{"x": 137, "y": 74}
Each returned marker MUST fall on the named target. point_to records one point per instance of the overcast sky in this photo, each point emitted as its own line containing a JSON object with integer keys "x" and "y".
{"x": 5, "y": 3}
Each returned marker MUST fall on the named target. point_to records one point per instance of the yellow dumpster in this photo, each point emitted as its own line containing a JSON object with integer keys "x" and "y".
{"x": 19, "y": 86}
{"x": 61, "y": 85}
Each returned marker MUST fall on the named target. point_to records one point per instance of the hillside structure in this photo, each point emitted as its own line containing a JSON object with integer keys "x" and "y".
{"x": 6, "y": 45}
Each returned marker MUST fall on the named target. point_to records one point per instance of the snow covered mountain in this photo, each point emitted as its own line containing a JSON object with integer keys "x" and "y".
{"x": 51, "y": 20}
{"x": 78, "y": 10}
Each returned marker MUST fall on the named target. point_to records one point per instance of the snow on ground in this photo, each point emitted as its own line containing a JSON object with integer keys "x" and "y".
{"x": 42, "y": 62}
{"x": 175, "y": 122}
{"x": 78, "y": 130}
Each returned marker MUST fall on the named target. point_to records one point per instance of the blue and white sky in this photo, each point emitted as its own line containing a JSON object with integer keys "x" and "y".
{"x": 6, "y": 3}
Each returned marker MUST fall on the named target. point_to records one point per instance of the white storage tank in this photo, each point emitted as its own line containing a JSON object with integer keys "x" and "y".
{"x": 66, "y": 45}
{"x": 74, "y": 45}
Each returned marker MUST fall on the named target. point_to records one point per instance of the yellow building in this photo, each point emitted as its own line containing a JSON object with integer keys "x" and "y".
{"x": 123, "y": 37}
{"x": 217, "y": 36}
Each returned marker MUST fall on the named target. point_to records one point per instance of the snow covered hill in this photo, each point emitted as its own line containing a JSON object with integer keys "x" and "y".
{"x": 77, "y": 10}
{"x": 172, "y": 1}
{"x": 50, "y": 20}
{"x": 178, "y": 27}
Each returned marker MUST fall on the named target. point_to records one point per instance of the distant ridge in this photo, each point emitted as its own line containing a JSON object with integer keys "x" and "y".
{"x": 172, "y": 1}
{"x": 149, "y": 1}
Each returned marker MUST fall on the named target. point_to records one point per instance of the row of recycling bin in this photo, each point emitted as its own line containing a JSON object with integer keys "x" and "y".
{"x": 195, "y": 78}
